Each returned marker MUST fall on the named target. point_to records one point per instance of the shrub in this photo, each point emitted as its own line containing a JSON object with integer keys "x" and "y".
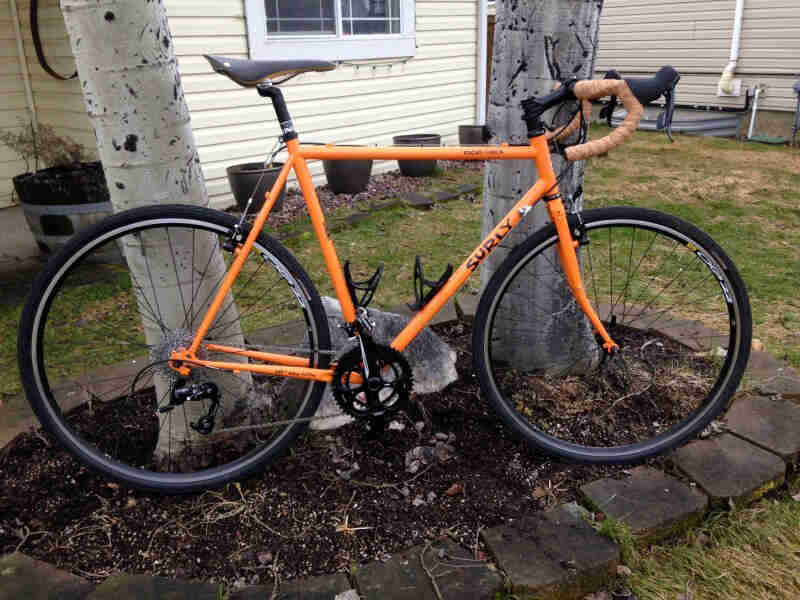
{"x": 44, "y": 147}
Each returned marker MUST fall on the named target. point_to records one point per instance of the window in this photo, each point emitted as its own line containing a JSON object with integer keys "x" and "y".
{"x": 330, "y": 29}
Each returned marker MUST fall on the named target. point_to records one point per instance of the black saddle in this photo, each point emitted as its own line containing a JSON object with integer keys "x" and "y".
{"x": 249, "y": 73}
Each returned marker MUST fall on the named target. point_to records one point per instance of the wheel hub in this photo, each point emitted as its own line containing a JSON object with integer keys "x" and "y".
{"x": 163, "y": 351}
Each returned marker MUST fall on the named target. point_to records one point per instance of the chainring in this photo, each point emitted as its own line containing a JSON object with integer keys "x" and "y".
{"x": 384, "y": 393}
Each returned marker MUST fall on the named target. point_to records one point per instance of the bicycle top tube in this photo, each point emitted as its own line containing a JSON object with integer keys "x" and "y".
{"x": 499, "y": 152}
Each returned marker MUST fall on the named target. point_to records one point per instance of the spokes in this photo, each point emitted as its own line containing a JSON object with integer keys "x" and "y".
{"x": 659, "y": 300}
{"x": 114, "y": 323}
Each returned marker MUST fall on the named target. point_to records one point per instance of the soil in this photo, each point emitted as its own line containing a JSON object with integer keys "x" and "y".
{"x": 338, "y": 499}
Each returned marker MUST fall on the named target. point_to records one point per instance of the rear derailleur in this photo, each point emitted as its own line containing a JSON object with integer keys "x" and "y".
{"x": 183, "y": 391}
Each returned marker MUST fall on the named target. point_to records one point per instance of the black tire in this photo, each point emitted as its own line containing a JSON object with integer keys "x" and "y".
{"x": 681, "y": 316}
{"x": 95, "y": 382}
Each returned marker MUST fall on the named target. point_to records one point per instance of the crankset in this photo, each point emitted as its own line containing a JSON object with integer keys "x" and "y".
{"x": 381, "y": 388}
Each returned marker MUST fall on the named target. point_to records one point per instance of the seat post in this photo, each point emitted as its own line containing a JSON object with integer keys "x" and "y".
{"x": 267, "y": 90}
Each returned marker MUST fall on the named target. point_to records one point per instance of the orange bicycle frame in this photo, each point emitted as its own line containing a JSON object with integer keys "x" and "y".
{"x": 300, "y": 368}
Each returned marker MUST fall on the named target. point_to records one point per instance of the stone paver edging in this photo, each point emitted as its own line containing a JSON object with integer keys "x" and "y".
{"x": 555, "y": 553}
{"x": 652, "y": 504}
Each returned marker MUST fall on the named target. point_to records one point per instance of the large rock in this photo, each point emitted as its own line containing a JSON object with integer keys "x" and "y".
{"x": 432, "y": 361}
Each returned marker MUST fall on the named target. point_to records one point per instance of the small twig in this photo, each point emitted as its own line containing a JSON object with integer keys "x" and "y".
{"x": 429, "y": 573}
{"x": 344, "y": 526}
{"x": 626, "y": 396}
{"x": 275, "y": 577}
{"x": 378, "y": 486}
{"x": 267, "y": 527}
{"x": 25, "y": 533}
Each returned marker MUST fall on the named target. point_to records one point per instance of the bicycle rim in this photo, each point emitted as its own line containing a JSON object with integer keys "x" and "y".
{"x": 104, "y": 318}
{"x": 668, "y": 296}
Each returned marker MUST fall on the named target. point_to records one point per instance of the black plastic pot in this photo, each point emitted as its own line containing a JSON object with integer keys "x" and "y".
{"x": 60, "y": 201}
{"x": 472, "y": 135}
{"x": 243, "y": 179}
{"x": 347, "y": 176}
{"x": 417, "y": 168}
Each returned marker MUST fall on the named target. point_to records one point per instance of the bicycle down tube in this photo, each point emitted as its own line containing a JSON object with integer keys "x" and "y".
{"x": 298, "y": 367}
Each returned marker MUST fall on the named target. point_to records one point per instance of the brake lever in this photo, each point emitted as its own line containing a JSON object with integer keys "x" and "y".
{"x": 665, "y": 118}
{"x": 607, "y": 112}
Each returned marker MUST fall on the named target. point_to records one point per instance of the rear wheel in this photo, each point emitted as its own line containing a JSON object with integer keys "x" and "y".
{"x": 667, "y": 294}
{"x": 104, "y": 317}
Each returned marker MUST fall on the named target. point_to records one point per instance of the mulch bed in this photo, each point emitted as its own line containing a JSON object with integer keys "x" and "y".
{"x": 385, "y": 185}
{"x": 337, "y": 500}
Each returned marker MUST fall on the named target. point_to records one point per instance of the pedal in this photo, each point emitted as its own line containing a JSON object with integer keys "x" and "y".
{"x": 368, "y": 286}
{"x": 422, "y": 297}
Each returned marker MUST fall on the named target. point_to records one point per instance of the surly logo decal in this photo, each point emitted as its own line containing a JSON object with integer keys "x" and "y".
{"x": 489, "y": 245}
{"x": 482, "y": 152}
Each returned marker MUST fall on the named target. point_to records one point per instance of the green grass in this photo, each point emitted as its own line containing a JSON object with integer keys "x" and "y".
{"x": 745, "y": 196}
{"x": 752, "y": 553}
{"x": 447, "y": 233}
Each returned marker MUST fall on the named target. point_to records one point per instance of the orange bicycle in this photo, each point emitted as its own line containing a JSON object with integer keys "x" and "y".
{"x": 177, "y": 348}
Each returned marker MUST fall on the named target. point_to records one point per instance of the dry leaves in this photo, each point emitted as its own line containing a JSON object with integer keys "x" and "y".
{"x": 454, "y": 490}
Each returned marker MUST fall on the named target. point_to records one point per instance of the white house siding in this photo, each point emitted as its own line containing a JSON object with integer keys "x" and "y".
{"x": 58, "y": 103}
{"x": 434, "y": 92}
{"x": 14, "y": 105}
{"x": 639, "y": 36}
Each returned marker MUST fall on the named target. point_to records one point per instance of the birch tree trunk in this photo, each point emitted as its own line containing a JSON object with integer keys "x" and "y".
{"x": 536, "y": 44}
{"x": 132, "y": 89}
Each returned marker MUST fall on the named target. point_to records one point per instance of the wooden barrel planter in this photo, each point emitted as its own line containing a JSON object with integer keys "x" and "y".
{"x": 60, "y": 201}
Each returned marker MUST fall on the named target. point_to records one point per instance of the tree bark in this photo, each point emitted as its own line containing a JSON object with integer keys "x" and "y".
{"x": 536, "y": 44}
{"x": 133, "y": 94}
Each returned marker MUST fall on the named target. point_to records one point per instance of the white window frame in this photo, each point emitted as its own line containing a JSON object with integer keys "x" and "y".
{"x": 334, "y": 47}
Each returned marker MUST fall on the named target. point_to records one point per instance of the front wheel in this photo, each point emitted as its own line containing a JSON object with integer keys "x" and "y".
{"x": 668, "y": 296}
{"x": 106, "y": 314}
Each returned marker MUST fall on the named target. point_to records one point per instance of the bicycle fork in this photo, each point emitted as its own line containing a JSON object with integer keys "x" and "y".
{"x": 569, "y": 261}
{"x": 566, "y": 242}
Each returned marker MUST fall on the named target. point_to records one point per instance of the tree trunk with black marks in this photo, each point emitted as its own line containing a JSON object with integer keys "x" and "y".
{"x": 134, "y": 97}
{"x": 537, "y": 43}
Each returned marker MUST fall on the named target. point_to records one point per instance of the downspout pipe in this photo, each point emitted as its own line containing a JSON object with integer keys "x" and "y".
{"x": 725, "y": 85}
{"x": 483, "y": 41}
{"x": 23, "y": 65}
